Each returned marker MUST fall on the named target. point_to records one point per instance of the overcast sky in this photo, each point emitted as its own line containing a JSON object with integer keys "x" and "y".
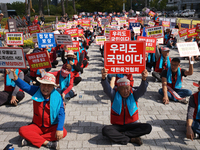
{"x": 10, "y": 1}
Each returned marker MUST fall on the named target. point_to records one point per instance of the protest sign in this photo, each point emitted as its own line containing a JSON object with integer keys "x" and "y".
{"x": 38, "y": 60}
{"x": 150, "y": 43}
{"x": 74, "y": 47}
{"x": 151, "y": 13}
{"x": 61, "y": 25}
{"x": 165, "y": 23}
{"x": 191, "y": 32}
{"x": 80, "y": 32}
{"x": 182, "y": 32}
{"x": 174, "y": 31}
{"x": 72, "y": 32}
{"x": 63, "y": 39}
{"x": 12, "y": 57}
{"x": 133, "y": 25}
{"x": 94, "y": 23}
{"x": 85, "y": 23}
{"x": 125, "y": 57}
{"x": 34, "y": 29}
{"x": 34, "y": 36}
{"x": 198, "y": 36}
{"x": 136, "y": 29}
{"x": 100, "y": 40}
{"x": 14, "y": 38}
{"x": 12, "y": 26}
{"x": 46, "y": 39}
{"x": 188, "y": 49}
{"x": 156, "y": 32}
{"x": 151, "y": 23}
{"x": 116, "y": 27}
{"x": 104, "y": 21}
{"x": 120, "y": 35}
{"x": 133, "y": 20}
{"x": 198, "y": 28}
{"x": 107, "y": 32}
{"x": 160, "y": 40}
{"x": 121, "y": 22}
{"x": 113, "y": 23}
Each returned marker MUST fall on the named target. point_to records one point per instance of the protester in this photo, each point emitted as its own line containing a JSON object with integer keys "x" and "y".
{"x": 124, "y": 111}
{"x": 193, "y": 115}
{"x": 162, "y": 62}
{"x": 35, "y": 21}
{"x": 172, "y": 82}
{"x": 49, "y": 115}
{"x": 28, "y": 19}
{"x": 156, "y": 19}
{"x": 12, "y": 94}
{"x": 72, "y": 60}
{"x": 65, "y": 79}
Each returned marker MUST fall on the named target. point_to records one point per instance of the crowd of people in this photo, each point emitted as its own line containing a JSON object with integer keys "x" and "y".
{"x": 51, "y": 90}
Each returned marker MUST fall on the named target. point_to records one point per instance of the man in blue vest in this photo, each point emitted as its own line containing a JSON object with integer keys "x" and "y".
{"x": 124, "y": 111}
{"x": 172, "y": 82}
{"x": 193, "y": 115}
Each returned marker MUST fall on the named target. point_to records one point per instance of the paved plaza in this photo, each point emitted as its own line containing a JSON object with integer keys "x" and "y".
{"x": 86, "y": 116}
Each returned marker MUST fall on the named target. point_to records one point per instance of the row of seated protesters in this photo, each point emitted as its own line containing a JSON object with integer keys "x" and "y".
{"x": 67, "y": 77}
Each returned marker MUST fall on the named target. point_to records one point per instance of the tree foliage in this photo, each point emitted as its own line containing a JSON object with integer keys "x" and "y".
{"x": 159, "y": 5}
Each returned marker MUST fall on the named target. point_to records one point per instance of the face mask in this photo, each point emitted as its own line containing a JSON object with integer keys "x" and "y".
{"x": 70, "y": 58}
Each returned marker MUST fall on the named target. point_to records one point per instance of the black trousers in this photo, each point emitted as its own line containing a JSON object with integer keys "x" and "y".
{"x": 122, "y": 134}
{"x": 157, "y": 75}
{"x": 5, "y": 97}
{"x": 77, "y": 80}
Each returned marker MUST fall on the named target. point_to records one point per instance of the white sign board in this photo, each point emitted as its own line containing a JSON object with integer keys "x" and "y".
{"x": 63, "y": 39}
{"x": 12, "y": 57}
{"x": 188, "y": 49}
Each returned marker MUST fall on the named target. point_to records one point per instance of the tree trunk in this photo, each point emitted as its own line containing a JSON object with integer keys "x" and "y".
{"x": 63, "y": 7}
{"x": 66, "y": 5}
{"x": 29, "y": 7}
{"x": 40, "y": 7}
{"x": 74, "y": 6}
{"x": 26, "y": 7}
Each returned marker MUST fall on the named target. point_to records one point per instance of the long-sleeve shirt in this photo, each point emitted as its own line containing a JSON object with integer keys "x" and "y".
{"x": 57, "y": 75}
{"x": 191, "y": 107}
{"x": 136, "y": 92}
{"x": 16, "y": 89}
{"x": 32, "y": 90}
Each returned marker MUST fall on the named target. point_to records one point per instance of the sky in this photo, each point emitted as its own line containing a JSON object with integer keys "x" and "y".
{"x": 10, "y": 1}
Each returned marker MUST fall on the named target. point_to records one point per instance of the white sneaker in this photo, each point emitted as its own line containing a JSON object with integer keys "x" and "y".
{"x": 184, "y": 100}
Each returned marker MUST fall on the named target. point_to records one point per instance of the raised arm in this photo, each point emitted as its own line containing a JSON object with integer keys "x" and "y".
{"x": 106, "y": 86}
{"x": 190, "y": 71}
{"x": 143, "y": 86}
{"x": 23, "y": 85}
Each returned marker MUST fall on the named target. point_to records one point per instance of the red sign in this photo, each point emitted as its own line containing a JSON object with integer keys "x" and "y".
{"x": 38, "y": 60}
{"x": 151, "y": 13}
{"x": 132, "y": 20}
{"x": 34, "y": 29}
{"x": 125, "y": 57}
{"x": 182, "y": 32}
{"x": 198, "y": 28}
{"x": 74, "y": 47}
{"x": 150, "y": 43}
{"x": 191, "y": 32}
{"x": 165, "y": 23}
{"x": 198, "y": 36}
{"x": 72, "y": 32}
{"x": 120, "y": 35}
{"x": 85, "y": 22}
{"x": 80, "y": 32}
